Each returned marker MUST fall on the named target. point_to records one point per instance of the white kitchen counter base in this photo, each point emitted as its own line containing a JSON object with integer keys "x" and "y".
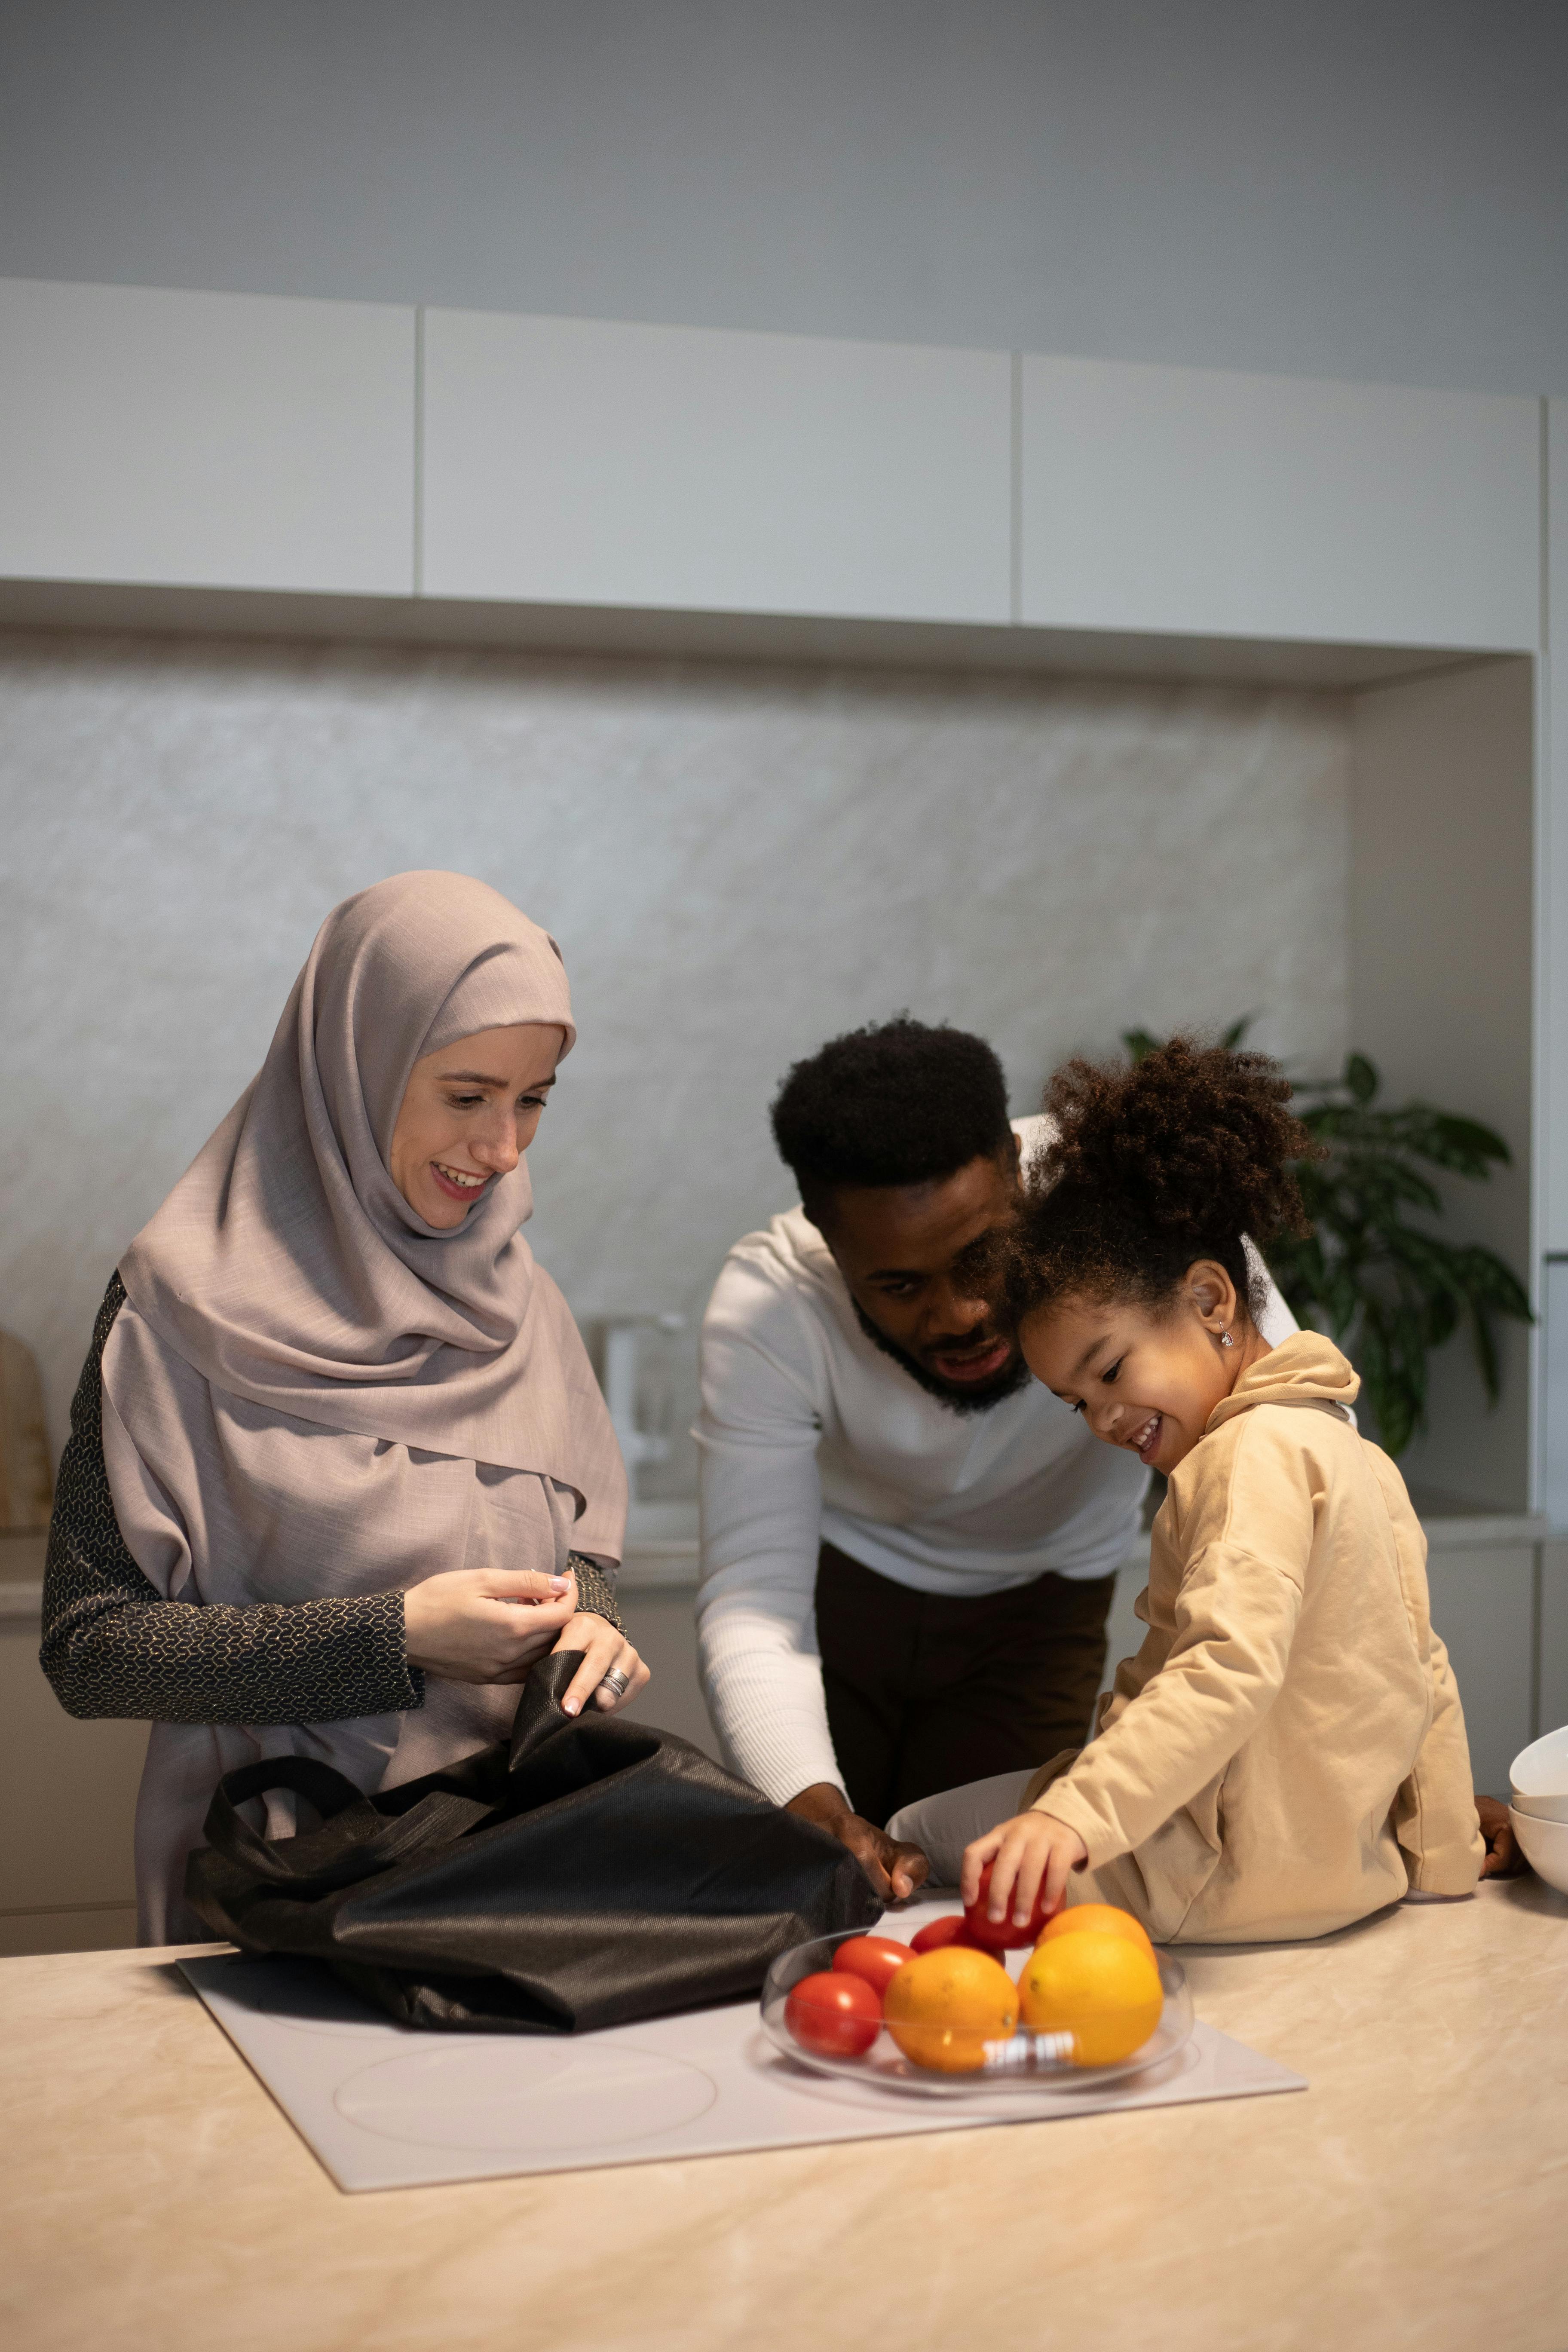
{"x": 385, "y": 2107}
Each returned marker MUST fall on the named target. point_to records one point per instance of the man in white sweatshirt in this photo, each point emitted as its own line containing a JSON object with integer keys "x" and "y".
{"x": 909, "y": 1546}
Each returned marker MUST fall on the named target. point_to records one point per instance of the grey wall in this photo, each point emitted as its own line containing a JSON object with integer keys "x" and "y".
{"x": 738, "y": 863}
{"x": 1374, "y": 189}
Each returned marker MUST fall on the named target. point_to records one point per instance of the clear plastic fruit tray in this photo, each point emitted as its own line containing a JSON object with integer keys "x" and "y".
{"x": 1029, "y": 2064}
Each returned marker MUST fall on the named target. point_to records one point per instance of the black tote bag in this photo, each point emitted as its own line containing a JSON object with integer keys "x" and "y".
{"x": 588, "y": 1872}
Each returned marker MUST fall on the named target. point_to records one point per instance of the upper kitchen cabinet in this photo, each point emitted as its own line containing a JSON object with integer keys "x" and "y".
{"x": 1185, "y": 500}
{"x": 571, "y": 462}
{"x": 214, "y": 440}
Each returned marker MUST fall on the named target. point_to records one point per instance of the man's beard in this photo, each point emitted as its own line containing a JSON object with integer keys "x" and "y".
{"x": 977, "y": 1396}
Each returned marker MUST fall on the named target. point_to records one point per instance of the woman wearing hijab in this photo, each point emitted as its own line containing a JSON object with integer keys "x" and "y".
{"x": 339, "y": 1470}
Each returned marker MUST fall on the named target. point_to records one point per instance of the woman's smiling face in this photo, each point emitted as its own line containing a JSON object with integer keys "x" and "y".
{"x": 468, "y": 1115}
{"x": 1142, "y": 1378}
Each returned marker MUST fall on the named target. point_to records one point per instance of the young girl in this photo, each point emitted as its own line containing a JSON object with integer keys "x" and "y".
{"x": 1286, "y": 1752}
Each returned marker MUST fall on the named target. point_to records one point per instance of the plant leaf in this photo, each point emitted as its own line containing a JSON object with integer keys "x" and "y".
{"x": 1361, "y": 1078}
{"x": 1485, "y": 1340}
{"x": 1461, "y": 1145}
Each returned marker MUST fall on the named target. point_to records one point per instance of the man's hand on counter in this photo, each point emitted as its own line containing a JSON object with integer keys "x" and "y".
{"x": 895, "y": 1870}
{"x": 1503, "y": 1859}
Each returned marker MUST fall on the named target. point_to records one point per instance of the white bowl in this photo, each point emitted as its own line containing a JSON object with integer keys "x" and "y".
{"x": 1541, "y": 1768}
{"x": 1541, "y": 1808}
{"x": 1546, "y": 1847}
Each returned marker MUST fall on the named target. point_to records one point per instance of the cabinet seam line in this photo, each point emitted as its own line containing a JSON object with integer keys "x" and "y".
{"x": 419, "y": 448}
{"x": 1015, "y": 516}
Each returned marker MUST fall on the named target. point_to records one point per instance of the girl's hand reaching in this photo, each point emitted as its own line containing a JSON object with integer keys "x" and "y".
{"x": 1027, "y": 1852}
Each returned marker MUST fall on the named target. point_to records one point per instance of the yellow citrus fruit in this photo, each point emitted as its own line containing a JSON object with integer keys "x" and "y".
{"x": 1099, "y": 1988}
{"x": 943, "y": 2006}
{"x": 1104, "y": 1918}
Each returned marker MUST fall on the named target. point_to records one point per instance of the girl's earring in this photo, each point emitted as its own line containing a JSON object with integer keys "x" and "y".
{"x": 1226, "y": 1340}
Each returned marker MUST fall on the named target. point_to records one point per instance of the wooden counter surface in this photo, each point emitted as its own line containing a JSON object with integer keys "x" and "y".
{"x": 152, "y": 2196}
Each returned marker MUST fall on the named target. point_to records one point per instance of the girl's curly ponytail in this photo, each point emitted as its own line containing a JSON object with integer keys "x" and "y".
{"x": 1153, "y": 1167}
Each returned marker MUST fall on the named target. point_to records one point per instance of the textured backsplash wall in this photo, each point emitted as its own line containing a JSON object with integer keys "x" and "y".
{"x": 737, "y": 862}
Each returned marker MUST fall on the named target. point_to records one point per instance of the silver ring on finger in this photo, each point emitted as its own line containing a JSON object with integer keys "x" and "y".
{"x": 615, "y": 1683}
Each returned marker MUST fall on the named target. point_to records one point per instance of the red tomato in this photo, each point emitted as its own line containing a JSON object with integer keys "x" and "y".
{"x": 954, "y": 1930}
{"x": 834, "y": 2014}
{"x": 1000, "y": 1935}
{"x": 877, "y": 1958}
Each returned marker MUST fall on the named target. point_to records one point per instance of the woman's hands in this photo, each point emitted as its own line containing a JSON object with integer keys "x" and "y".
{"x": 485, "y": 1624}
{"x": 604, "y": 1652}
{"x": 490, "y": 1625}
{"x": 1030, "y": 1851}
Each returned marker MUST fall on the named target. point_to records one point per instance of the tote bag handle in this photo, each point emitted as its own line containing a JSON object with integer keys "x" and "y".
{"x": 372, "y": 1841}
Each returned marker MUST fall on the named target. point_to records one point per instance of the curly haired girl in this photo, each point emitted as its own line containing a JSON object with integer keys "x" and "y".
{"x": 1287, "y": 1751}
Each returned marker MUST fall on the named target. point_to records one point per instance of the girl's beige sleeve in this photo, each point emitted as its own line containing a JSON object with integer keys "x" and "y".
{"x": 1247, "y": 1539}
{"x": 1434, "y": 1812}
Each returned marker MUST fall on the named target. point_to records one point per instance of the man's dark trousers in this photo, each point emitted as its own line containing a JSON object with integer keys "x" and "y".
{"x": 926, "y": 1692}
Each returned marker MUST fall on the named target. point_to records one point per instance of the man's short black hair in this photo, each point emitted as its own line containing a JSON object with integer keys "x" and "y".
{"x": 899, "y": 1103}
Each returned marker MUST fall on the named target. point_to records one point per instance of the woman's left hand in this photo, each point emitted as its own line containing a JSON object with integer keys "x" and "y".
{"x": 605, "y": 1652}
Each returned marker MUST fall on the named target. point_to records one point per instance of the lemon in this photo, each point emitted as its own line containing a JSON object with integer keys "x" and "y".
{"x": 1103, "y": 1917}
{"x": 1100, "y": 1989}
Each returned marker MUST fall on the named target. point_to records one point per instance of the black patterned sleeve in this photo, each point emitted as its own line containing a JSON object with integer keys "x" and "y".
{"x": 595, "y": 1593}
{"x": 113, "y": 1646}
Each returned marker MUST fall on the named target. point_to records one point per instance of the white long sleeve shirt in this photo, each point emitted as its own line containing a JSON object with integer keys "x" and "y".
{"x": 808, "y": 1434}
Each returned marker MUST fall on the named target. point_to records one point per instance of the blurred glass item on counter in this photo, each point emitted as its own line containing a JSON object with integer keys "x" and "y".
{"x": 638, "y": 1381}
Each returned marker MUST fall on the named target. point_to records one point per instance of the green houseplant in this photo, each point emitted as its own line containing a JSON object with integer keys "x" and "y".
{"x": 1386, "y": 1289}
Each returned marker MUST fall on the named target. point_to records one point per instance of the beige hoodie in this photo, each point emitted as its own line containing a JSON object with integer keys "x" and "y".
{"x": 1287, "y": 1751}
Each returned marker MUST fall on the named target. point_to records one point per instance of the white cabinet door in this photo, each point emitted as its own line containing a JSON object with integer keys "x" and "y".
{"x": 1552, "y": 1052}
{"x": 214, "y": 440}
{"x": 1553, "y": 1376}
{"x": 1483, "y": 1606}
{"x": 1551, "y": 1694}
{"x": 71, "y": 1788}
{"x": 571, "y": 462}
{"x": 1202, "y": 503}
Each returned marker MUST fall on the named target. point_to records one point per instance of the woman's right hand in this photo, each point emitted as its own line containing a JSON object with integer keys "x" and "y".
{"x": 485, "y": 1624}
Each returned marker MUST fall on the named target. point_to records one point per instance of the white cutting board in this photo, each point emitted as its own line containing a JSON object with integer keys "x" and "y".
{"x": 385, "y": 2107}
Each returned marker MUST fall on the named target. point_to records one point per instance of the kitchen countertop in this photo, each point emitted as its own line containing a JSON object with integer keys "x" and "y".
{"x": 1416, "y": 2195}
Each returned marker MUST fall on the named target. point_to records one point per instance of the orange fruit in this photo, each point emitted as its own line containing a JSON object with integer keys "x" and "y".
{"x": 1105, "y": 1918}
{"x": 1099, "y": 1988}
{"x": 942, "y": 2007}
